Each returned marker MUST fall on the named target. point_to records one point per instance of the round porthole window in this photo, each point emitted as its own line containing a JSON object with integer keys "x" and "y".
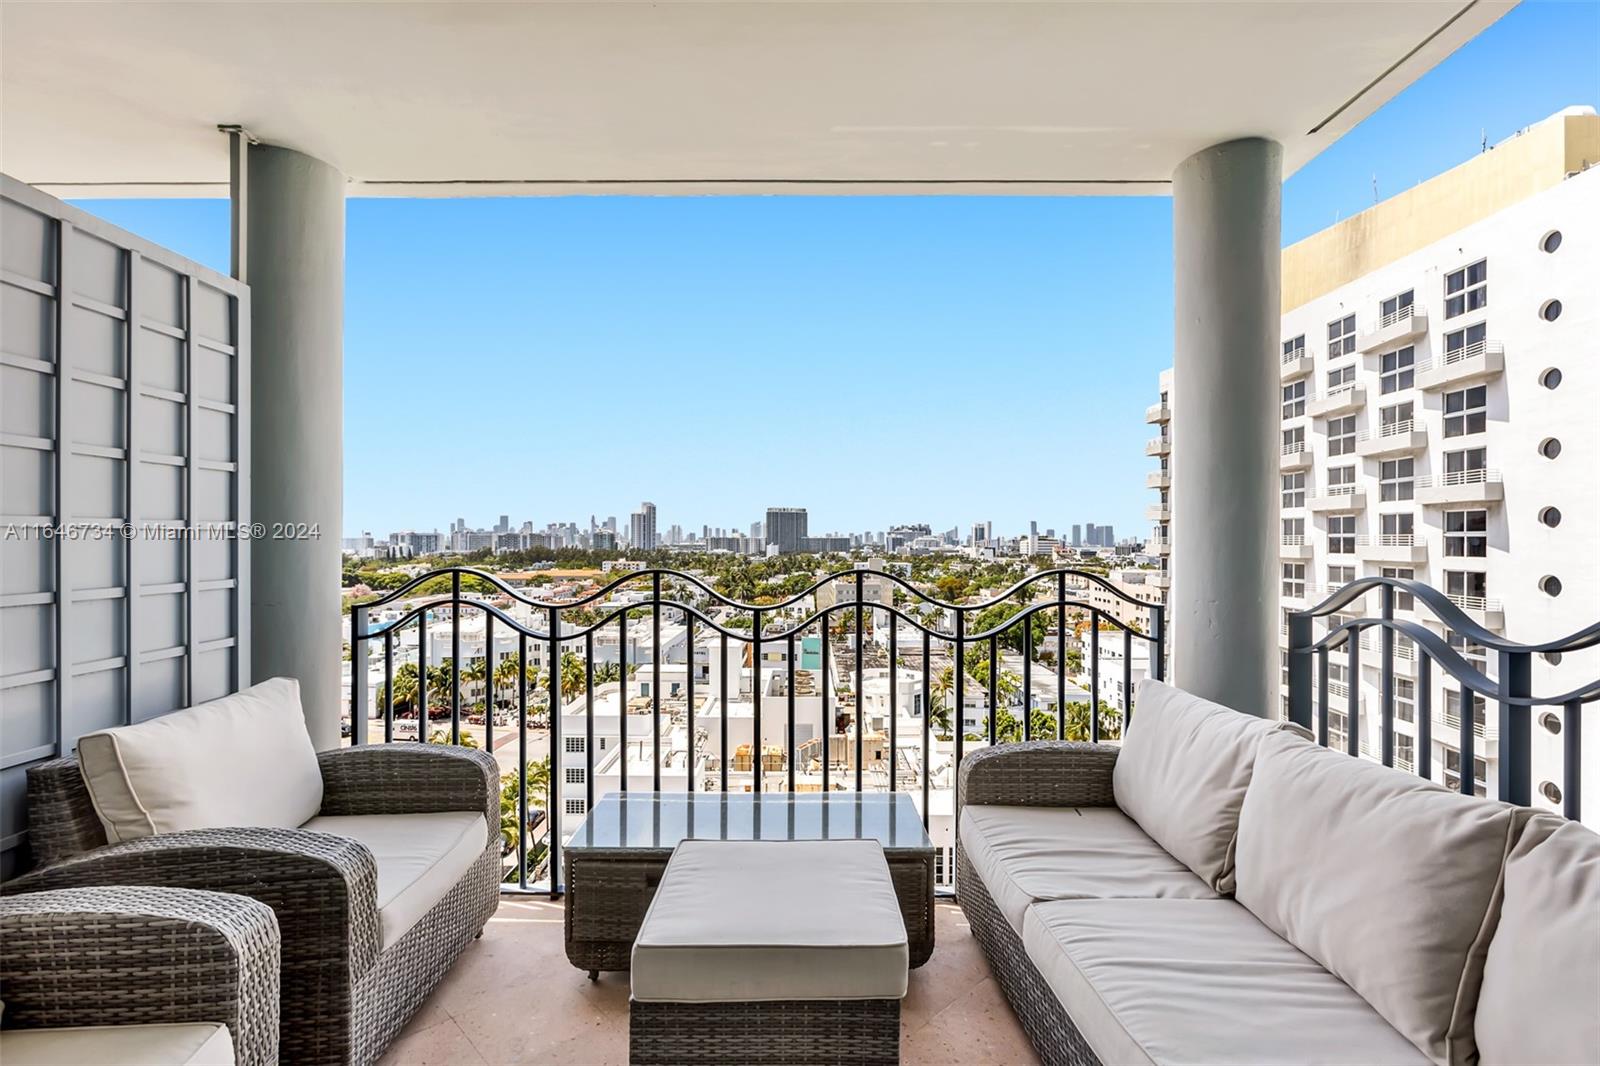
{"x": 1550, "y": 791}
{"x": 1550, "y": 447}
{"x": 1551, "y": 722}
{"x": 1550, "y": 585}
{"x": 1550, "y": 516}
{"x": 1551, "y": 241}
{"x": 1554, "y": 659}
{"x": 1551, "y": 379}
{"x": 1551, "y": 310}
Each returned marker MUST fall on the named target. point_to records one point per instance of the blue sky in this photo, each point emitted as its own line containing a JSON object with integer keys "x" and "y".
{"x": 878, "y": 360}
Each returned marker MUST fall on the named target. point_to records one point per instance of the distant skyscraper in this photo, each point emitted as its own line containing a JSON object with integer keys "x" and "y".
{"x": 1091, "y": 535}
{"x": 504, "y": 525}
{"x": 982, "y": 533}
{"x": 755, "y": 530}
{"x": 642, "y": 527}
{"x": 1108, "y": 539}
{"x": 787, "y": 527}
{"x": 1077, "y": 536}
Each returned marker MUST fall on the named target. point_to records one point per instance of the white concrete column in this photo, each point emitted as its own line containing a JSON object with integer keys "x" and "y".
{"x": 295, "y": 266}
{"x": 1226, "y": 212}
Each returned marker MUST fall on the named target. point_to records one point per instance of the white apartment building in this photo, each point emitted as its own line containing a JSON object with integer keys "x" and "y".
{"x": 1439, "y": 382}
{"x": 1159, "y": 414}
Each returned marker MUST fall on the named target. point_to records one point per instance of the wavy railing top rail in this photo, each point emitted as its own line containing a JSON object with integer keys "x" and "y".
{"x": 860, "y": 573}
{"x": 1451, "y": 615}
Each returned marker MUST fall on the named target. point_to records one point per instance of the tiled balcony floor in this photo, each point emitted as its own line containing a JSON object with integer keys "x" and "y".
{"x": 514, "y": 998}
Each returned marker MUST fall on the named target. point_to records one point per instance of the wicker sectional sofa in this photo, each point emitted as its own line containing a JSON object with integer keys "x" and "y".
{"x": 381, "y": 863}
{"x": 1218, "y": 888}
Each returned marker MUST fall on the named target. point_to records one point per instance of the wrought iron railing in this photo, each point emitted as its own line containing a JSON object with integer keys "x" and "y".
{"x": 647, "y": 598}
{"x": 1511, "y": 690}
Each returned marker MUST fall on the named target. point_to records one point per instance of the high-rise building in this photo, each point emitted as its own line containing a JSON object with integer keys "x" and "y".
{"x": 787, "y": 527}
{"x": 504, "y": 525}
{"x": 1160, "y": 512}
{"x": 642, "y": 527}
{"x": 982, "y": 533}
{"x": 1436, "y": 390}
{"x": 1077, "y": 536}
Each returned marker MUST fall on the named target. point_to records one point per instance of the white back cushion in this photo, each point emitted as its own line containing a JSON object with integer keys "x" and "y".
{"x": 1389, "y": 881}
{"x": 1541, "y": 981}
{"x": 243, "y": 760}
{"x": 1182, "y": 774}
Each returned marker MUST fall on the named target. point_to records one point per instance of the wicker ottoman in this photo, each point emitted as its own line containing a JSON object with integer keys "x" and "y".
{"x": 770, "y": 952}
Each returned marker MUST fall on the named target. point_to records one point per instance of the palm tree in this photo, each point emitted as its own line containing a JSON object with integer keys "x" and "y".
{"x": 572, "y": 676}
{"x": 405, "y": 689}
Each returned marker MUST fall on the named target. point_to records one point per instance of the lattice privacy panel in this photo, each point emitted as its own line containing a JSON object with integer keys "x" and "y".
{"x": 124, "y": 439}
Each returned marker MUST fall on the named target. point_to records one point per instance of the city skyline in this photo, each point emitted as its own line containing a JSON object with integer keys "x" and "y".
{"x": 701, "y": 349}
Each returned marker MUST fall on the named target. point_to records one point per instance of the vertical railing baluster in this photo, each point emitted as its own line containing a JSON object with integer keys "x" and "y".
{"x": 1127, "y": 680}
{"x": 1386, "y": 682}
{"x": 1352, "y": 694}
{"x": 1061, "y": 656}
{"x": 588, "y": 721}
{"x": 755, "y": 698}
{"x": 725, "y": 700}
{"x": 622, "y": 693}
{"x": 522, "y": 762}
{"x": 958, "y": 714}
{"x": 1300, "y": 695}
{"x": 927, "y": 723}
{"x": 388, "y": 684}
{"x": 861, "y": 694}
{"x": 359, "y": 650}
{"x": 688, "y": 633}
{"x": 655, "y": 681}
{"x": 1424, "y": 702}
{"x": 791, "y": 754}
{"x": 553, "y": 804}
{"x": 422, "y": 676}
{"x": 455, "y": 656}
{"x": 1572, "y": 760}
{"x": 894, "y": 689}
{"x": 1467, "y": 743}
{"x": 488, "y": 681}
{"x": 1027, "y": 677}
{"x": 1158, "y": 625}
{"x": 1322, "y": 696}
{"x": 827, "y": 724}
{"x": 994, "y": 686}
{"x": 1094, "y": 676}
{"x": 1516, "y": 728}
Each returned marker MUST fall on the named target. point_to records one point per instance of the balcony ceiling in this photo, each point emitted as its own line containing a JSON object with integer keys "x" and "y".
{"x": 453, "y": 99}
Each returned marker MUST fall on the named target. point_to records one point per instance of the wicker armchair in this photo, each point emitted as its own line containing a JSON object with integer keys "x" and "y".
{"x": 345, "y": 993}
{"x": 117, "y": 957}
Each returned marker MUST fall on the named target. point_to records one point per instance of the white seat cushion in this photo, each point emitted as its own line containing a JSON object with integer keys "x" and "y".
{"x": 1199, "y": 981}
{"x": 420, "y": 857}
{"x": 1026, "y": 854}
{"x": 1182, "y": 774}
{"x": 195, "y": 1044}
{"x": 1540, "y": 1000}
{"x": 243, "y": 760}
{"x": 1389, "y": 881}
{"x": 741, "y": 921}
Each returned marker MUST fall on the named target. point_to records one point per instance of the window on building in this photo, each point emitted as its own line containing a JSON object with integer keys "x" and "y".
{"x": 1396, "y": 528}
{"x": 574, "y": 745}
{"x": 1468, "y": 341}
{"x": 575, "y": 806}
{"x": 1342, "y": 435}
{"x": 1294, "y": 489}
{"x": 1338, "y": 577}
{"x": 1294, "y": 399}
{"x": 1341, "y": 534}
{"x": 1294, "y": 440}
{"x": 1398, "y": 369}
{"x": 1397, "y": 480}
{"x": 1294, "y": 530}
{"x": 1474, "y": 653}
{"x": 1397, "y": 418}
{"x": 1405, "y": 751}
{"x": 1341, "y": 336}
{"x": 1341, "y": 377}
{"x": 1466, "y": 289}
{"x": 1341, "y": 480}
{"x": 1403, "y": 601}
{"x": 1466, "y": 534}
{"x": 1453, "y": 699}
{"x": 1405, "y": 699}
{"x": 1336, "y": 734}
{"x": 1294, "y": 580}
{"x": 1294, "y": 347}
{"x": 1452, "y": 772}
{"x": 1466, "y": 466}
{"x": 1470, "y": 586}
{"x": 1466, "y": 411}
{"x": 1395, "y": 308}
{"x": 574, "y": 775}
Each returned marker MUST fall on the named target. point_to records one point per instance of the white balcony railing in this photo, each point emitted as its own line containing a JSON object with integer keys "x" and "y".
{"x": 1340, "y": 390}
{"x": 1341, "y": 490}
{"x": 1292, "y": 354}
{"x": 1387, "y": 540}
{"x": 1460, "y": 355}
{"x": 1295, "y": 447}
{"x": 1475, "y": 603}
{"x": 1398, "y": 315}
{"x": 1478, "y": 476}
{"x": 1293, "y": 540}
{"x": 1389, "y": 429}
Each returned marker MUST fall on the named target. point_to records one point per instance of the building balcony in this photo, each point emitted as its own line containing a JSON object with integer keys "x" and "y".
{"x": 1398, "y": 438}
{"x": 1161, "y": 579}
{"x": 1161, "y": 445}
{"x": 1392, "y": 548}
{"x": 1480, "y": 487}
{"x": 1157, "y": 413}
{"x": 1338, "y": 401}
{"x": 1158, "y": 479}
{"x": 1338, "y": 498}
{"x": 1160, "y": 545}
{"x": 1464, "y": 366}
{"x": 1295, "y": 456}
{"x": 1393, "y": 330}
{"x": 1158, "y": 512}
{"x": 1490, "y": 614}
{"x": 1296, "y": 364}
{"x": 1295, "y": 548}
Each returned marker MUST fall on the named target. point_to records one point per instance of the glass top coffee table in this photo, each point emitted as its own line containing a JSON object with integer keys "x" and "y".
{"x": 616, "y": 858}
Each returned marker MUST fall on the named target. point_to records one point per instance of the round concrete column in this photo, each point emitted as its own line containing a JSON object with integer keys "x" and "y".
{"x": 295, "y": 267}
{"x": 1226, "y": 211}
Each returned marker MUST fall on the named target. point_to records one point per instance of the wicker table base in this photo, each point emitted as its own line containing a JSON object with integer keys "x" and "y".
{"x": 861, "y": 1031}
